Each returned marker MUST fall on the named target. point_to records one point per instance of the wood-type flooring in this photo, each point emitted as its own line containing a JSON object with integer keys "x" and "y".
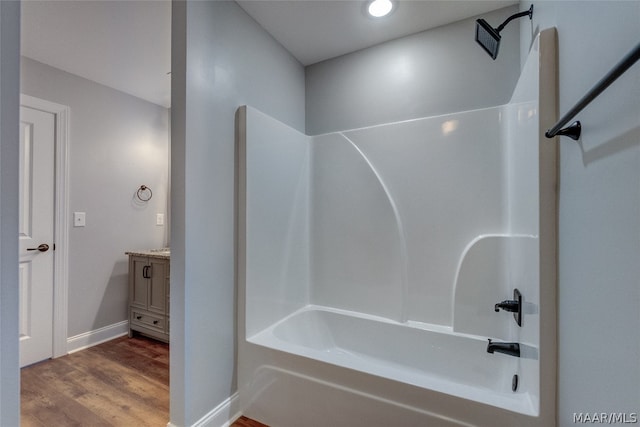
{"x": 120, "y": 383}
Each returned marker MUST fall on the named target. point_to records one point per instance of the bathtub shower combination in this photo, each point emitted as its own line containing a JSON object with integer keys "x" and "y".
{"x": 402, "y": 274}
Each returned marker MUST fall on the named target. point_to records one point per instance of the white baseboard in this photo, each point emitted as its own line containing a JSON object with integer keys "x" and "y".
{"x": 97, "y": 336}
{"x": 221, "y": 416}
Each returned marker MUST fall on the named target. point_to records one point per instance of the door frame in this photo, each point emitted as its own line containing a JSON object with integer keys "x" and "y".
{"x": 60, "y": 218}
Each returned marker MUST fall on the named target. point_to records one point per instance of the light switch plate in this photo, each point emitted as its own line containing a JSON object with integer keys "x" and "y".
{"x": 79, "y": 219}
{"x": 159, "y": 219}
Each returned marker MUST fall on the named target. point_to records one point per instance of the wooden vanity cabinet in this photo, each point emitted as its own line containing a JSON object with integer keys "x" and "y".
{"x": 149, "y": 296}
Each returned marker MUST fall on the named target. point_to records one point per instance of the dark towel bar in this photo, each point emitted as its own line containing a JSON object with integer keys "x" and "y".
{"x": 573, "y": 130}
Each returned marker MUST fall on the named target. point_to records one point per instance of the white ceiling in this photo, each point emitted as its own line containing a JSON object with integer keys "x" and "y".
{"x": 122, "y": 44}
{"x": 315, "y": 30}
{"x": 127, "y": 44}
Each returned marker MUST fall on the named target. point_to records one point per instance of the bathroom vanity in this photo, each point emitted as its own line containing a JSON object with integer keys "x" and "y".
{"x": 149, "y": 293}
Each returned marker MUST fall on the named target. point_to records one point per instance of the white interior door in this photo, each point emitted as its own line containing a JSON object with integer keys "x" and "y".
{"x": 37, "y": 148}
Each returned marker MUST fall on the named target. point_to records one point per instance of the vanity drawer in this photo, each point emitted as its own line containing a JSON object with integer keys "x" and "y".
{"x": 148, "y": 320}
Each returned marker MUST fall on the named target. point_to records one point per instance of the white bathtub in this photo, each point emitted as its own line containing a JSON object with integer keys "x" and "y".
{"x": 426, "y": 356}
{"x": 370, "y": 260}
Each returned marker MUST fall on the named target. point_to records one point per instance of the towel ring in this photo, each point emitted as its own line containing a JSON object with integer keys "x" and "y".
{"x": 144, "y": 193}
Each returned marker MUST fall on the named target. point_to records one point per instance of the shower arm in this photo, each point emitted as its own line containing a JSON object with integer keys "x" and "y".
{"x": 512, "y": 17}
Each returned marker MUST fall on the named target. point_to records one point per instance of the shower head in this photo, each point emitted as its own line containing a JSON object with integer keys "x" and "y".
{"x": 489, "y": 37}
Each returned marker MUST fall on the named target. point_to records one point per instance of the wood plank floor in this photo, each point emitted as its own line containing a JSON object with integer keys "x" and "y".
{"x": 120, "y": 383}
{"x": 123, "y": 382}
{"x": 247, "y": 422}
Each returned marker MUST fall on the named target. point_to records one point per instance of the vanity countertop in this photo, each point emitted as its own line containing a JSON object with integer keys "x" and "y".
{"x": 164, "y": 253}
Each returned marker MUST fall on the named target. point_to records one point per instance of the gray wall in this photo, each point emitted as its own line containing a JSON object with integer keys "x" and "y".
{"x": 430, "y": 73}
{"x": 9, "y": 159}
{"x": 222, "y": 59}
{"x": 599, "y": 228}
{"x": 117, "y": 143}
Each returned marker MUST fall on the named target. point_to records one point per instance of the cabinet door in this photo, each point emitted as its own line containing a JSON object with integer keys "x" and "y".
{"x": 157, "y": 286}
{"x": 138, "y": 289}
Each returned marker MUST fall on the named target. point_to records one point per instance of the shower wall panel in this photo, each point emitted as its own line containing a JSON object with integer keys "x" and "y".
{"x": 446, "y": 177}
{"x": 373, "y": 220}
{"x": 277, "y": 247}
{"x": 357, "y": 244}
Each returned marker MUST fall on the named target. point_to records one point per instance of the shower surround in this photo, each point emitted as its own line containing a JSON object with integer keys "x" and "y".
{"x": 370, "y": 261}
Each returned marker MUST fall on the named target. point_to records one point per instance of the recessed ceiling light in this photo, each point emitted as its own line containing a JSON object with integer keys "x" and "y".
{"x": 380, "y": 8}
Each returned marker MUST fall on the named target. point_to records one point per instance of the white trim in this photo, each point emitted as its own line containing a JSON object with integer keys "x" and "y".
{"x": 222, "y": 415}
{"x": 61, "y": 216}
{"x": 97, "y": 336}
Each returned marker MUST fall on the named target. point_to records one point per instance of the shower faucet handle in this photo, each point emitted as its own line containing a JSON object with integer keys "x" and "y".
{"x": 507, "y": 305}
{"x": 513, "y": 306}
